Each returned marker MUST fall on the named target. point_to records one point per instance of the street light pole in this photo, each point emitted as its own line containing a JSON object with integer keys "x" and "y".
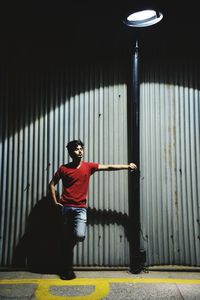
{"x": 136, "y": 99}
{"x": 137, "y": 19}
{"x": 136, "y": 254}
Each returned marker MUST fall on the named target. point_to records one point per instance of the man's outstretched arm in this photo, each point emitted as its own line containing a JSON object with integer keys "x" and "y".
{"x": 109, "y": 167}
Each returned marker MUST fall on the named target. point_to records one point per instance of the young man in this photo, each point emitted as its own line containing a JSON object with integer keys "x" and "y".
{"x": 75, "y": 179}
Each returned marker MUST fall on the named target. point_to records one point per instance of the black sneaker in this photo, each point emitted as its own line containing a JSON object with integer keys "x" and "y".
{"x": 68, "y": 275}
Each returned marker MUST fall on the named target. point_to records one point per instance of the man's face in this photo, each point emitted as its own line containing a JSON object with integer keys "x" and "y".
{"x": 78, "y": 152}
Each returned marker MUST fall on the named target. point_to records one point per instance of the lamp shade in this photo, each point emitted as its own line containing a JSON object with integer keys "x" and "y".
{"x": 143, "y": 18}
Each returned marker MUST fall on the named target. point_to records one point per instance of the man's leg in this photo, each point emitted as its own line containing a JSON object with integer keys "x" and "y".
{"x": 77, "y": 232}
{"x": 74, "y": 230}
{"x": 67, "y": 244}
{"x": 79, "y": 227}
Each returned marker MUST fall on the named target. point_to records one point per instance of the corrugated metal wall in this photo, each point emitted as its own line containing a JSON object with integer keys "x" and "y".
{"x": 41, "y": 110}
{"x": 170, "y": 162}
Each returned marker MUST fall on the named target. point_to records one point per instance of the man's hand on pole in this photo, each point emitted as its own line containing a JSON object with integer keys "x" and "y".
{"x": 132, "y": 167}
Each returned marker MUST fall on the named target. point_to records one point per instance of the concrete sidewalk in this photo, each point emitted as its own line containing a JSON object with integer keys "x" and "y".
{"x": 93, "y": 285}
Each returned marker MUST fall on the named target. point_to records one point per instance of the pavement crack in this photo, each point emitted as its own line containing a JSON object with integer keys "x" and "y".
{"x": 180, "y": 292}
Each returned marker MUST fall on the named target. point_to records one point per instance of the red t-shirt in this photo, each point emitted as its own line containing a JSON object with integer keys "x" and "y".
{"x": 75, "y": 183}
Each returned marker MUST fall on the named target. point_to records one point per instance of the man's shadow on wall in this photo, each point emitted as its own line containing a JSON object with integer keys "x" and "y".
{"x": 39, "y": 249}
{"x": 108, "y": 217}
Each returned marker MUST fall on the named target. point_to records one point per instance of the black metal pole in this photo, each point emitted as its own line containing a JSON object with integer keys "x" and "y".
{"x": 136, "y": 254}
{"x": 135, "y": 103}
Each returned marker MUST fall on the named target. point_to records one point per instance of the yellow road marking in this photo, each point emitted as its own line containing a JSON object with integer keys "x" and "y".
{"x": 101, "y": 285}
{"x": 92, "y": 281}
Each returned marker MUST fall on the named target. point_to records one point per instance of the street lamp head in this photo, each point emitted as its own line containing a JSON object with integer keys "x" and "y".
{"x": 143, "y": 18}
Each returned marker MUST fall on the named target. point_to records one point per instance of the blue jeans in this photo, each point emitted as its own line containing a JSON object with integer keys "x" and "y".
{"x": 75, "y": 219}
{"x": 73, "y": 231}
